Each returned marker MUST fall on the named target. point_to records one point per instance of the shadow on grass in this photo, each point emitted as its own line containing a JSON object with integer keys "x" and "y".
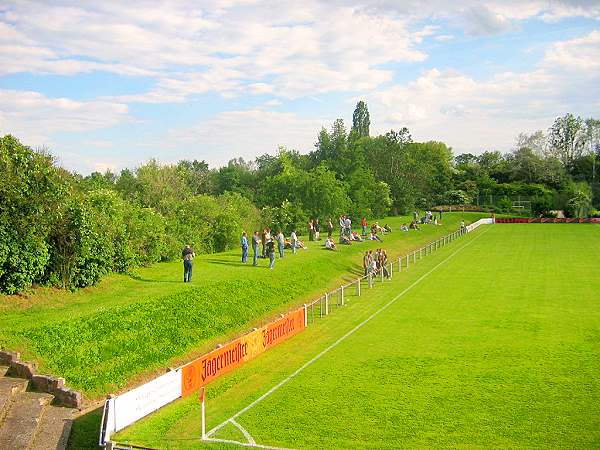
{"x": 136, "y": 277}
{"x": 86, "y": 431}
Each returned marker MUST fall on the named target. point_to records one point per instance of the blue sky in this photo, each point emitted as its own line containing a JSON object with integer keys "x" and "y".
{"x": 110, "y": 85}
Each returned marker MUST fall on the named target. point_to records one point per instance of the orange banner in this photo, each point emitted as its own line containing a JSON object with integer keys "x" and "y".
{"x": 220, "y": 361}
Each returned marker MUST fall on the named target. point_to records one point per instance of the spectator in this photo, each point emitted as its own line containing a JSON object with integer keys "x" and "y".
{"x": 280, "y": 243}
{"x": 317, "y": 227}
{"x": 364, "y": 224}
{"x": 329, "y": 228}
{"x": 271, "y": 253}
{"x": 356, "y": 237}
{"x": 255, "y": 244}
{"x": 188, "y": 255}
{"x": 311, "y": 230}
{"x": 342, "y": 224}
{"x": 387, "y": 228}
{"x": 374, "y": 237}
{"x": 348, "y": 226}
{"x": 366, "y": 263}
{"x": 344, "y": 239}
{"x": 403, "y": 227}
{"x": 462, "y": 225}
{"x": 244, "y": 242}
{"x": 294, "y": 241}
{"x": 329, "y": 244}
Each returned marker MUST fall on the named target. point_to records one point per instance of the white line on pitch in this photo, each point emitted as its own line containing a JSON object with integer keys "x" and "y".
{"x": 341, "y": 339}
{"x": 244, "y": 444}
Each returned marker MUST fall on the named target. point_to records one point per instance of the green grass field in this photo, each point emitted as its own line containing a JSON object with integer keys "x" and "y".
{"x": 113, "y": 335}
{"x": 492, "y": 341}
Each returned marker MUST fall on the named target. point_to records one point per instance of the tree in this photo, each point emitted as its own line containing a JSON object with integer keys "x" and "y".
{"x": 31, "y": 194}
{"x": 567, "y": 139}
{"x": 360, "y": 119}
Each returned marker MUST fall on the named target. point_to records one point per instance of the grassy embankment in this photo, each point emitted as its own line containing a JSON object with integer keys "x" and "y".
{"x": 104, "y": 338}
{"x": 496, "y": 347}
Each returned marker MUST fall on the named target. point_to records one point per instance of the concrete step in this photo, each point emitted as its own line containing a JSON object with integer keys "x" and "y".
{"x": 21, "y": 422}
{"x": 54, "y": 429}
{"x": 3, "y": 370}
{"x": 9, "y": 388}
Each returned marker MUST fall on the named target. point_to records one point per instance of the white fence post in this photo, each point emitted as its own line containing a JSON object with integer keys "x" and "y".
{"x": 370, "y": 276}
{"x": 342, "y": 295}
{"x": 399, "y": 264}
{"x": 406, "y": 262}
{"x": 391, "y": 270}
{"x": 381, "y": 270}
{"x": 326, "y": 304}
{"x": 358, "y": 288}
{"x": 305, "y": 316}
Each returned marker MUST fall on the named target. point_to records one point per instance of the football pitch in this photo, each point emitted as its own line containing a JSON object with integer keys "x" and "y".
{"x": 491, "y": 341}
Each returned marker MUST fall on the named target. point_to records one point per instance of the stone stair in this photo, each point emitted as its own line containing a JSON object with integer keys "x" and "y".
{"x": 28, "y": 419}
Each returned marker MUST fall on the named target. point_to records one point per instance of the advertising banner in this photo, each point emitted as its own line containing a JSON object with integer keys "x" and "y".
{"x": 546, "y": 220}
{"x": 220, "y": 361}
{"x": 131, "y": 406}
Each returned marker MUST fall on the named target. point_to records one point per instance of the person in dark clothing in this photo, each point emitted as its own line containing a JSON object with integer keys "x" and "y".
{"x": 188, "y": 255}
{"x": 271, "y": 252}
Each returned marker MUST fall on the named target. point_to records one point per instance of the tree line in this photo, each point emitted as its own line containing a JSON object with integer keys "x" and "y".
{"x": 62, "y": 229}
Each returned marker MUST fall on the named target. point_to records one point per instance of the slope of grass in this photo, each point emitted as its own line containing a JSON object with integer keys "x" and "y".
{"x": 497, "y": 347}
{"x": 111, "y": 335}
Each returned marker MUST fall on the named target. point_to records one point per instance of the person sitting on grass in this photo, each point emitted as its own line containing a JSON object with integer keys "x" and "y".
{"x": 374, "y": 237}
{"x": 387, "y": 228}
{"x": 356, "y": 237}
{"x": 329, "y": 244}
{"x": 414, "y": 225}
{"x": 344, "y": 239}
{"x": 403, "y": 227}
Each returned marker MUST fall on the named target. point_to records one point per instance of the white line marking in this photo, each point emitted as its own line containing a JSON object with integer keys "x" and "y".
{"x": 341, "y": 339}
{"x": 245, "y": 444}
{"x": 249, "y": 438}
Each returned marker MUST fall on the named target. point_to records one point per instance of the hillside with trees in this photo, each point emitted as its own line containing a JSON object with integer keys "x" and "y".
{"x": 62, "y": 229}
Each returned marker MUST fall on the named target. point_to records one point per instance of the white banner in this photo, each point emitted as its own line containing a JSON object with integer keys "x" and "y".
{"x": 474, "y": 225}
{"x": 141, "y": 401}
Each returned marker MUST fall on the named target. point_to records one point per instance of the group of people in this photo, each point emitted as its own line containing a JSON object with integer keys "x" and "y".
{"x": 268, "y": 240}
{"x": 266, "y": 243}
{"x": 429, "y": 217}
{"x": 375, "y": 262}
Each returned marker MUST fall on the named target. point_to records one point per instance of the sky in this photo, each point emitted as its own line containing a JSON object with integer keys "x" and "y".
{"x": 108, "y": 85}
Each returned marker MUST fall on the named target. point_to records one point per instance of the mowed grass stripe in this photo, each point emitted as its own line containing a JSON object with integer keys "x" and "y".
{"x": 498, "y": 348}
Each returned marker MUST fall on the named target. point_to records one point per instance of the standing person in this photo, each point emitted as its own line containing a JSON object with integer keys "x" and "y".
{"x": 255, "y": 244}
{"x": 342, "y": 225}
{"x": 271, "y": 253}
{"x": 329, "y": 228}
{"x": 263, "y": 239}
{"x": 317, "y": 227}
{"x": 311, "y": 230}
{"x": 364, "y": 224}
{"x": 280, "y": 243}
{"x": 415, "y": 216}
{"x": 294, "y": 241}
{"x": 244, "y": 242}
{"x": 348, "y": 225}
{"x": 188, "y": 255}
{"x": 370, "y": 262}
{"x": 441, "y": 211}
{"x": 384, "y": 261}
{"x": 366, "y": 263}
{"x": 462, "y": 224}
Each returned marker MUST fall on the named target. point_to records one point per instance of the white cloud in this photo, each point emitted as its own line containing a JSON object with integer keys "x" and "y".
{"x": 33, "y": 116}
{"x": 580, "y": 54}
{"x": 192, "y": 49}
{"x": 246, "y": 134}
{"x": 472, "y": 115}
